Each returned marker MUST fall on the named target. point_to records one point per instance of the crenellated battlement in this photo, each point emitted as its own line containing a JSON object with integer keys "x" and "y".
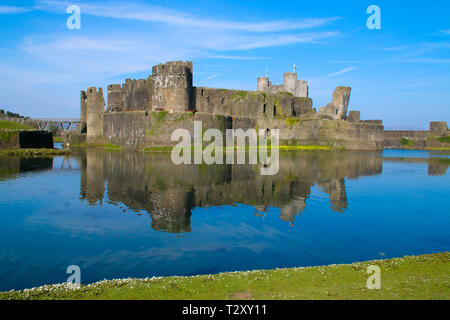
{"x": 172, "y": 88}
{"x": 298, "y": 88}
{"x": 137, "y": 108}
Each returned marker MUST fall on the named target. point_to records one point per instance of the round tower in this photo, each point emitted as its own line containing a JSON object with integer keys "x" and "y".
{"x": 95, "y": 109}
{"x": 172, "y": 86}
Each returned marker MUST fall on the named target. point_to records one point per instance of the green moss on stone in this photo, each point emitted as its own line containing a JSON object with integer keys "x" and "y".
{"x": 239, "y": 94}
{"x": 291, "y": 121}
{"x": 159, "y": 116}
{"x": 406, "y": 142}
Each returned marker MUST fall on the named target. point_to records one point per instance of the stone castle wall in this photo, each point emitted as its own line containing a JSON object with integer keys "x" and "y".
{"x": 138, "y": 129}
{"x": 417, "y": 138}
{"x": 250, "y": 103}
{"x": 143, "y": 113}
{"x": 132, "y": 95}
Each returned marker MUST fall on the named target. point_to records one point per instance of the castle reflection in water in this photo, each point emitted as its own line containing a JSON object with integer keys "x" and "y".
{"x": 169, "y": 192}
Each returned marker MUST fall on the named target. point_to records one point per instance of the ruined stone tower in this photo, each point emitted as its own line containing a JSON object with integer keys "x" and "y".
{"x": 95, "y": 109}
{"x": 298, "y": 88}
{"x": 263, "y": 84}
{"x": 172, "y": 86}
{"x": 338, "y": 107}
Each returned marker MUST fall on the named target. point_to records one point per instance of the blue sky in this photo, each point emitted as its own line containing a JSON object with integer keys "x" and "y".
{"x": 400, "y": 74}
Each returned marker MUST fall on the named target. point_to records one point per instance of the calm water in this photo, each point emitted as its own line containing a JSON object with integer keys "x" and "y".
{"x": 119, "y": 215}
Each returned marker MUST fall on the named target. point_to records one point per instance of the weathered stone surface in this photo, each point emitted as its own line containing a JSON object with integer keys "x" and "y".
{"x": 169, "y": 90}
{"x": 337, "y": 109}
{"x": 74, "y": 138}
{"x": 250, "y": 103}
{"x": 172, "y": 86}
{"x": 439, "y": 129}
{"x": 417, "y": 139}
{"x": 298, "y": 88}
{"x": 95, "y": 106}
{"x": 354, "y": 116}
{"x": 132, "y": 95}
{"x": 140, "y": 129}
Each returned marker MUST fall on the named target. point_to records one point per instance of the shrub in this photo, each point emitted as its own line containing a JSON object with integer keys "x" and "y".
{"x": 405, "y": 142}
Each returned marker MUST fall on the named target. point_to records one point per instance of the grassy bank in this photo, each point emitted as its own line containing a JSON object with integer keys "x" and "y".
{"x": 5, "y": 124}
{"x": 438, "y": 148}
{"x": 33, "y": 152}
{"x": 411, "y": 277}
{"x": 97, "y": 146}
{"x": 169, "y": 148}
{"x": 247, "y": 148}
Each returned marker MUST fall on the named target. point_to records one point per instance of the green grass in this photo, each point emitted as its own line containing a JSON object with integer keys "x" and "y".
{"x": 58, "y": 139}
{"x": 6, "y": 135}
{"x": 239, "y": 94}
{"x": 97, "y": 145}
{"x": 5, "y": 124}
{"x": 281, "y": 148}
{"x": 157, "y": 149}
{"x": 444, "y": 139}
{"x": 33, "y": 152}
{"x": 438, "y": 148}
{"x": 306, "y": 148}
{"x": 412, "y": 277}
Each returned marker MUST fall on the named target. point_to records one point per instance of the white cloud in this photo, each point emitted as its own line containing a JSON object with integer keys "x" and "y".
{"x": 426, "y": 60}
{"x": 13, "y": 10}
{"x": 144, "y": 12}
{"x": 337, "y": 73}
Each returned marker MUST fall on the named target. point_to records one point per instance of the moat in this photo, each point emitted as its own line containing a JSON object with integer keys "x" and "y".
{"x": 132, "y": 214}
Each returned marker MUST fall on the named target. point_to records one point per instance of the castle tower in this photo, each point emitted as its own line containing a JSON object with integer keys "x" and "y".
{"x": 290, "y": 81}
{"x": 83, "y": 110}
{"x": 95, "y": 109}
{"x": 299, "y": 88}
{"x": 172, "y": 86}
{"x": 263, "y": 84}
{"x": 115, "y": 97}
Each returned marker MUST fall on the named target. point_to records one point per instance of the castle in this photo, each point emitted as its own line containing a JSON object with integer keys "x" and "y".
{"x": 143, "y": 113}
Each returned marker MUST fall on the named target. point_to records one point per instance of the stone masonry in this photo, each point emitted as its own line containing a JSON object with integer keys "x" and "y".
{"x": 337, "y": 109}
{"x": 136, "y": 115}
{"x": 298, "y": 88}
